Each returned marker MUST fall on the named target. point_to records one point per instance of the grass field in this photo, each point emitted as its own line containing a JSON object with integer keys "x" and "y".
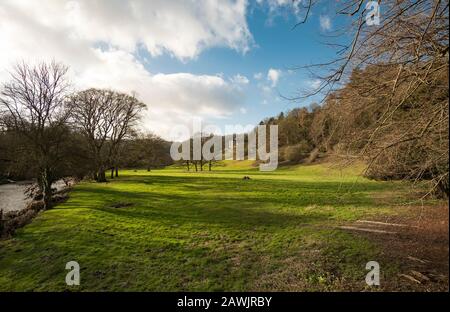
{"x": 170, "y": 230}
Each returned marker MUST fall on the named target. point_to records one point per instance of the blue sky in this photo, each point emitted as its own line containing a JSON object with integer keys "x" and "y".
{"x": 276, "y": 45}
{"x": 224, "y": 61}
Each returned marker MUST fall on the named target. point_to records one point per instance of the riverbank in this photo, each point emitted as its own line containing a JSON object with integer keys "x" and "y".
{"x": 13, "y": 195}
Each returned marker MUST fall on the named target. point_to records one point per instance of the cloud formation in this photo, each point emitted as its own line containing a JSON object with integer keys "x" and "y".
{"x": 181, "y": 28}
{"x": 240, "y": 79}
{"x": 99, "y": 39}
{"x": 314, "y": 84}
{"x": 258, "y": 76}
{"x": 273, "y": 75}
{"x": 325, "y": 23}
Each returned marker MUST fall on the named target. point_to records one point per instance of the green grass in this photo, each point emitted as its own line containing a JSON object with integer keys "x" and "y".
{"x": 204, "y": 231}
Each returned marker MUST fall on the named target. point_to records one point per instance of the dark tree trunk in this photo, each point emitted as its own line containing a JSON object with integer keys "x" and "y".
{"x": 112, "y": 172}
{"x": 210, "y": 165}
{"x": 443, "y": 188}
{"x": 187, "y": 164}
{"x": 196, "y": 168}
{"x": 117, "y": 172}
{"x": 1, "y": 223}
{"x": 46, "y": 188}
{"x": 101, "y": 176}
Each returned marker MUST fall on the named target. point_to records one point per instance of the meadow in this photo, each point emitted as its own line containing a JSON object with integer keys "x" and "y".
{"x": 170, "y": 230}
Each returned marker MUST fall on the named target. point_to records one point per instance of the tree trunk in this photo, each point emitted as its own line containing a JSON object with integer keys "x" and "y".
{"x": 117, "y": 172}
{"x": 101, "y": 176}
{"x": 210, "y": 165}
{"x": 196, "y": 168}
{"x": 112, "y": 172}
{"x": 201, "y": 165}
{"x": 1, "y": 223}
{"x": 443, "y": 188}
{"x": 46, "y": 188}
{"x": 187, "y": 164}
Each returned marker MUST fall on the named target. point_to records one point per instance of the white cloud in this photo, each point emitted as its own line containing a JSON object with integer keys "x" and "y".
{"x": 267, "y": 91}
{"x": 325, "y": 22}
{"x": 240, "y": 79}
{"x": 258, "y": 76}
{"x": 243, "y": 110}
{"x": 175, "y": 99}
{"x": 314, "y": 84}
{"x": 273, "y": 75}
{"x": 282, "y": 8}
{"x": 181, "y": 28}
{"x": 101, "y": 51}
{"x": 275, "y": 5}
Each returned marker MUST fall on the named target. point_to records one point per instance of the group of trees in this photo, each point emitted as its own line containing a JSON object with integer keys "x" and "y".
{"x": 48, "y": 132}
{"x": 351, "y": 125}
{"x": 300, "y": 138}
{"x": 145, "y": 150}
{"x": 198, "y": 162}
{"x": 386, "y": 94}
{"x": 105, "y": 118}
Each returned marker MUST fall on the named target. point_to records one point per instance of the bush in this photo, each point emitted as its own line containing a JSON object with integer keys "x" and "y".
{"x": 297, "y": 152}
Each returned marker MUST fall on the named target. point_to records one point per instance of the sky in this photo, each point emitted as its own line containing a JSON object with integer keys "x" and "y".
{"x": 225, "y": 62}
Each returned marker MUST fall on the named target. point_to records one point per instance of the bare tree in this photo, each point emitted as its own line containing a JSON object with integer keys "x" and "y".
{"x": 90, "y": 115}
{"x": 105, "y": 118}
{"x": 34, "y": 106}
{"x": 126, "y": 110}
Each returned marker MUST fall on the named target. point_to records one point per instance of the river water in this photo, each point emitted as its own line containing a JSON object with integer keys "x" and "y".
{"x": 12, "y": 195}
